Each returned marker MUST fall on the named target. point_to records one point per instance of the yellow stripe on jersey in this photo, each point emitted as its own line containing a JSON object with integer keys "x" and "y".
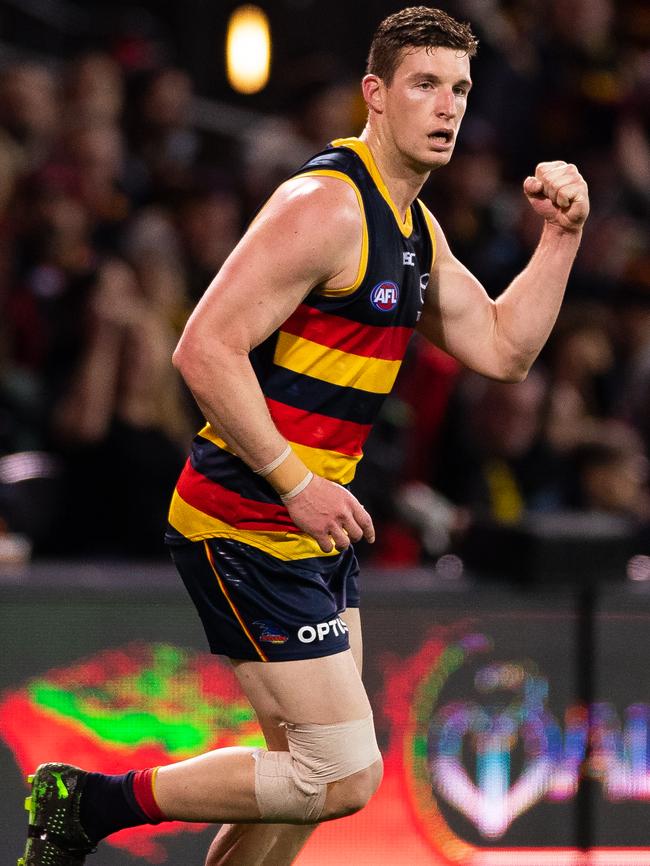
{"x": 195, "y": 525}
{"x": 208, "y": 433}
{"x": 330, "y": 464}
{"x": 363, "y": 260}
{"x": 332, "y": 365}
{"x": 363, "y": 152}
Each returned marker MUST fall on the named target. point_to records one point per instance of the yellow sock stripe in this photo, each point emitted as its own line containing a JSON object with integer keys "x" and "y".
{"x": 230, "y": 602}
{"x": 153, "y": 787}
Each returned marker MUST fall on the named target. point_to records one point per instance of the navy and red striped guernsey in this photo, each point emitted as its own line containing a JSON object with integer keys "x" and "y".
{"x": 325, "y": 372}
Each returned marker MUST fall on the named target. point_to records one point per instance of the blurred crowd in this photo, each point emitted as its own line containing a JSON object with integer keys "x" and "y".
{"x": 117, "y": 208}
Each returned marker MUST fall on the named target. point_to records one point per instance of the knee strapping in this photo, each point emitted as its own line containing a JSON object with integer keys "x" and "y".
{"x": 291, "y": 787}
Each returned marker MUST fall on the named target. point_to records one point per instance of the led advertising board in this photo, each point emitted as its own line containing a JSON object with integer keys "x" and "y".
{"x": 491, "y": 758}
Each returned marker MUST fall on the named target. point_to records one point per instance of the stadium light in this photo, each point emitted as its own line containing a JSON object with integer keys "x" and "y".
{"x": 248, "y": 49}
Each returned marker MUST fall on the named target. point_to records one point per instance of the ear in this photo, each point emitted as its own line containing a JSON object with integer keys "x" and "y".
{"x": 373, "y": 92}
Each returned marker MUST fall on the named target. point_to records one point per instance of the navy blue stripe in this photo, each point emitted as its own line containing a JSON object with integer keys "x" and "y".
{"x": 229, "y": 471}
{"x": 357, "y": 308}
{"x": 173, "y": 536}
{"x": 314, "y": 395}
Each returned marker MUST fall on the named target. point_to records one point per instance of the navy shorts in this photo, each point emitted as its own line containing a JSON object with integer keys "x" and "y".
{"x": 259, "y": 608}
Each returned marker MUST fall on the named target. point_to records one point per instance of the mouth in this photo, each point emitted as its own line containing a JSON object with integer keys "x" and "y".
{"x": 441, "y": 137}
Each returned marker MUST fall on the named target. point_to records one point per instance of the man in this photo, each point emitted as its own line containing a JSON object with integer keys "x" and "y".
{"x": 289, "y": 354}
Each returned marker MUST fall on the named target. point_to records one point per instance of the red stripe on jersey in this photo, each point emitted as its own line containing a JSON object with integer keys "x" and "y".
{"x": 227, "y": 505}
{"x": 318, "y": 431}
{"x": 371, "y": 341}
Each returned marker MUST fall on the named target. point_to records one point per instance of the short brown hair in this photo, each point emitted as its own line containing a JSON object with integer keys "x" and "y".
{"x": 416, "y": 27}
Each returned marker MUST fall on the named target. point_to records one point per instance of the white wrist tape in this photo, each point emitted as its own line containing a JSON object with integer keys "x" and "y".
{"x": 285, "y": 497}
{"x": 290, "y": 787}
{"x": 266, "y": 470}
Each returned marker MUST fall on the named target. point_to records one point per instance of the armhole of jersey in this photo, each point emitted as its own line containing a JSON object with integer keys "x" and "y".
{"x": 363, "y": 260}
{"x": 432, "y": 231}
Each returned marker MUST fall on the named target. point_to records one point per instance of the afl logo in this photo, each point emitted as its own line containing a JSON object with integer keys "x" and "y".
{"x": 384, "y": 296}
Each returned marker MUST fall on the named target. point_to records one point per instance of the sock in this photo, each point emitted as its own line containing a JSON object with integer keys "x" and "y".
{"x": 112, "y": 803}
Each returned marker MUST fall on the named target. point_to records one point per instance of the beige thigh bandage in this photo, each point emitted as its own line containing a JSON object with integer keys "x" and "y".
{"x": 290, "y": 787}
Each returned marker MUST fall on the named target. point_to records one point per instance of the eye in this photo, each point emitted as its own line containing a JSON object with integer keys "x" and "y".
{"x": 460, "y": 91}
{"x": 425, "y": 85}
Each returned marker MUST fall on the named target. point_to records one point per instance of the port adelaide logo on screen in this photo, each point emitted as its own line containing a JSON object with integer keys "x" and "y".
{"x": 385, "y": 296}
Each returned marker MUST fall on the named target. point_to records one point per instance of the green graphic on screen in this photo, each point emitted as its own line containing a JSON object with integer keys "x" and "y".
{"x": 139, "y": 706}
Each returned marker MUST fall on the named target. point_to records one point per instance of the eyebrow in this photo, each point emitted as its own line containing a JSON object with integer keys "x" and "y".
{"x": 435, "y": 79}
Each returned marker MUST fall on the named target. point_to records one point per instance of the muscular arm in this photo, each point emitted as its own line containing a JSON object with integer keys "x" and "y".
{"x": 502, "y": 338}
{"x": 308, "y": 235}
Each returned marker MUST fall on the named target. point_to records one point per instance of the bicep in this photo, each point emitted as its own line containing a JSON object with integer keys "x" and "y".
{"x": 458, "y": 314}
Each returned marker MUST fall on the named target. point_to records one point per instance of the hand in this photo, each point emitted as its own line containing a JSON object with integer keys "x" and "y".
{"x": 558, "y": 192}
{"x": 331, "y": 515}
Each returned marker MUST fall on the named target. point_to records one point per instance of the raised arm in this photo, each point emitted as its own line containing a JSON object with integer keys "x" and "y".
{"x": 502, "y": 338}
{"x": 308, "y": 235}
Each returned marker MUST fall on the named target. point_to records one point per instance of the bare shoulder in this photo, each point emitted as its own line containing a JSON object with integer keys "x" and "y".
{"x": 314, "y": 225}
{"x": 329, "y": 204}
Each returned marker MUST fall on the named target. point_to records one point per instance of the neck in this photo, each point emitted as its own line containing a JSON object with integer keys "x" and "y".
{"x": 403, "y": 181}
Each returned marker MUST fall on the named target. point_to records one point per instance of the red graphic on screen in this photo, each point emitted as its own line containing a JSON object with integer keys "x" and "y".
{"x": 406, "y": 814}
{"x": 149, "y": 704}
{"x": 140, "y": 706}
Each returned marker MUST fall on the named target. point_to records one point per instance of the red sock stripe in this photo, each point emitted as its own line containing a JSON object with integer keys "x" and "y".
{"x": 143, "y": 793}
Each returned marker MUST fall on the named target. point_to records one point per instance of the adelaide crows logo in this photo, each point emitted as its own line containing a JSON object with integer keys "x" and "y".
{"x": 271, "y": 633}
{"x": 385, "y": 296}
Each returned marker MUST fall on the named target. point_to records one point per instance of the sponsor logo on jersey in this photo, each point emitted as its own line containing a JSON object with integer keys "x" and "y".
{"x": 271, "y": 633}
{"x": 310, "y": 633}
{"x": 424, "y": 284}
{"x": 384, "y": 296}
{"x": 408, "y": 259}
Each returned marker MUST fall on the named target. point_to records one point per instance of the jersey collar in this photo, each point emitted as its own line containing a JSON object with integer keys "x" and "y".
{"x": 363, "y": 152}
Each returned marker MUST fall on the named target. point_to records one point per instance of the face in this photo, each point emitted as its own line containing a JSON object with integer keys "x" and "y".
{"x": 422, "y": 108}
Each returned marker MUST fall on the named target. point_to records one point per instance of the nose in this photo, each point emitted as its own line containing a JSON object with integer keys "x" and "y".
{"x": 445, "y": 105}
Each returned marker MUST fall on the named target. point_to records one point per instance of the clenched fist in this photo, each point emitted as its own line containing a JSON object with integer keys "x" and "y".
{"x": 559, "y": 193}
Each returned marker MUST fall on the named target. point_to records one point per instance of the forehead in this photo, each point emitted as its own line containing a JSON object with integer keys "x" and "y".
{"x": 450, "y": 63}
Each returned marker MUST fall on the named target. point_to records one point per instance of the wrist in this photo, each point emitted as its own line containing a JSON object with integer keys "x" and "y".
{"x": 286, "y": 473}
{"x": 559, "y": 232}
{"x": 300, "y": 486}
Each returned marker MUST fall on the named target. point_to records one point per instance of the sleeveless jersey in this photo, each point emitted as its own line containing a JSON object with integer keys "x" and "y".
{"x": 324, "y": 373}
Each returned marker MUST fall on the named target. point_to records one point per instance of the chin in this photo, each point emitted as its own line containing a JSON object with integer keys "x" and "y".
{"x": 432, "y": 161}
{"x": 440, "y": 158}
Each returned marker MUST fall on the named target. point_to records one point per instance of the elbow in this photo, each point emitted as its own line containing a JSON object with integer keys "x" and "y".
{"x": 187, "y": 360}
{"x": 515, "y": 375}
{"x": 199, "y": 359}
{"x": 515, "y": 369}
{"x": 513, "y": 360}
{"x": 180, "y": 358}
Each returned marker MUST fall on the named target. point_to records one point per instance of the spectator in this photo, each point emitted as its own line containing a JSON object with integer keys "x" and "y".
{"x": 122, "y": 419}
{"x": 611, "y": 474}
{"x": 30, "y": 111}
{"x": 494, "y": 459}
{"x": 116, "y": 211}
{"x": 94, "y": 91}
{"x": 581, "y": 365}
